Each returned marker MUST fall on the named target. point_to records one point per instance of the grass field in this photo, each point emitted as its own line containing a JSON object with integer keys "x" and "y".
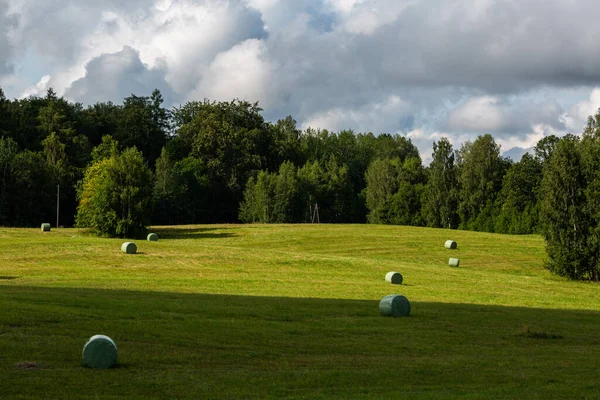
{"x": 291, "y": 311}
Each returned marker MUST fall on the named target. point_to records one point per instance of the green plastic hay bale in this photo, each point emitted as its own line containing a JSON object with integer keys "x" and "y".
{"x": 451, "y": 244}
{"x": 453, "y": 262}
{"x": 394, "y": 305}
{"x": 45, "y": 227}
{"x": 100, "y": 352}
{"x": 129, "y": 248}
{"x": 152, "y": 237}
{"x": 395, "y": 278}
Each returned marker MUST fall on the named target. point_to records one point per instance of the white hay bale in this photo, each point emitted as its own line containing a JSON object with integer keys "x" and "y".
{"x": 152, "y": 237}
{"x": 129, "y": 248}
{"x": 394, "y": 305}
{"x": 395, "y": 278}
{"x": 45, "y": 227}
{"x": 100, "y": 351}
{"x": 450, "y": 244}
{"x": 453, "y": 262}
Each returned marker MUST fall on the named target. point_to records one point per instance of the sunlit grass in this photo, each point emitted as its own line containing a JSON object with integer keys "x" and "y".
{"x": 272, "y": 311}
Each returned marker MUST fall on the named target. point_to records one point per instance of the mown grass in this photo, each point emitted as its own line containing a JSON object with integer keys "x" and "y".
{"x": 291, "y": 311}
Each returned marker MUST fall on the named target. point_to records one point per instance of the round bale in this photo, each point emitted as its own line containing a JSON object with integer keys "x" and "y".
{"x": 152, "y": 237}
{"x": 395, "y": 278}
{"x": 100, "y": 352}
{"x": 451, "y": 244}
{"x": 394, "y": 305}
{"x": 453, "y": 262}
{"x": 45, "y": 227}
{"x": 129, "y": 248}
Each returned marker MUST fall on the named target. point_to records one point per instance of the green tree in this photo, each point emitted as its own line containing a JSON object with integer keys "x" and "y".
{"x": 518, "y": 198}
{"x": 233, "y": 141}
{"x": 8, "y": 150}
{"x": 337, "y": 203}
{"x": 545, "y": 147}
{"x": 382, "y": 184}
{"x": 441, "y": 198}
{"x": 406, "y": 205}
{"x": 480, "y": 174}
{"x": 115, "y": 195}
{"x": 32, "y": 193}
{"x": 181, "y": 190}
{"x": 52, "y": 118}
{"x": 284, "y": 143}
{"x": 259, "y": 196}
{"x": 286, "y": 205}
{"x": 99, "y": 120}
{"x": 4, "y": 117}
{"x": 108, "y": 148}
{"x": 395, "y": 146}
{"x": 143, "y": 124}
{"x": 167, "y": 190}
{"x": 56, "y": 156}
{"x": 313, "y": 181}
{"x": 590, "y": 155}
{"x": 564, "y": 215}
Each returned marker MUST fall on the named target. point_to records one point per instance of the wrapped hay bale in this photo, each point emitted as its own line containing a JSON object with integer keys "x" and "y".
{"x": 451, "y": 244}
{"x": 100, "y": 352}
{"x": 45, "y": 227}
{"x": 394, "y": 305}
{"x": 394, "y": 278}
{"x": 152, "y": 237}
{"x": 129, "y": 248}
{"x": 453, "y": 262}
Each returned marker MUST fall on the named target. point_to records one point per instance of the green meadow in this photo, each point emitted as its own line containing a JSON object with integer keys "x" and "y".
{"x": 291, "y": 311}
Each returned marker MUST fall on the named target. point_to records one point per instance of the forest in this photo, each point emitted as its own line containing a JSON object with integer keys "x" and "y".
{"x": 118, "y": 168}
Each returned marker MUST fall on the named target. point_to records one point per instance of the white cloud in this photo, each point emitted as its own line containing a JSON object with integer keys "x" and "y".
{"x": 426, "y": 67}
{"x": 377, "y": 117}
{"x": 245, "y": 72}
{"x": 184, "y": 34}
{"x": 576, "y": 118}
{"x": 365, "y": 17}
{"x": 479, "y": 114}
{"x": 504, "y": 116}
{"x": 39, "y": 89}
{"x": 343, "y": 6}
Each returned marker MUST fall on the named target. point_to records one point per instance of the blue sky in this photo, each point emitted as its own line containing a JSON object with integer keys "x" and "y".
{"x": 427, "y": 69}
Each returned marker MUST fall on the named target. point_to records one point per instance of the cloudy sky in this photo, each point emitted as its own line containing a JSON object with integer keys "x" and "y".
{"x": 518, "y": 69}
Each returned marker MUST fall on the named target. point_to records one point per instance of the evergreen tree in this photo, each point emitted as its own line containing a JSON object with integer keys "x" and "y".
{"x": 564, "y": 215}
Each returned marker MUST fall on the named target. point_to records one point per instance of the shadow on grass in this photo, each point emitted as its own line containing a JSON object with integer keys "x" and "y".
{"x": 8, "y": 278}
{"x": 273, "y": 347}
{"x": 191, "y": 233}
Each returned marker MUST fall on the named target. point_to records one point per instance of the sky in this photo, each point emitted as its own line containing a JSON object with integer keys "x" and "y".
{"x": 517, "y": 69}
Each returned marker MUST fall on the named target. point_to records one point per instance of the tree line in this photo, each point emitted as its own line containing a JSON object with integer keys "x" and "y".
{"x": 122, "y": 167}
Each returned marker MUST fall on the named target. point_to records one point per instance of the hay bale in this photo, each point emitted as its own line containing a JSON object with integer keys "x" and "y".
{"x": 152, "y": 237}
{"x": 45, "y": 227}
{"x": 129, "y": 248}
{"x": 453, "y": 262}
{"x": 450, "y": 244}
{"x": 100, "y": 352}
{"x": 394, "y": 305}
{"x": 395, "y": 278}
